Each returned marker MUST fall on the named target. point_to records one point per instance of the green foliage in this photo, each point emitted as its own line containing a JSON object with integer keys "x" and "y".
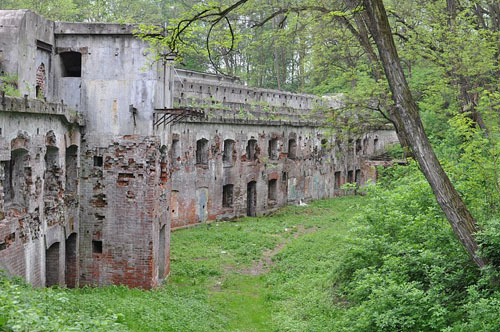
{"x": 62, "y": 10}
{"x": 8, "y": 84}
{"x": 23, "y": 308}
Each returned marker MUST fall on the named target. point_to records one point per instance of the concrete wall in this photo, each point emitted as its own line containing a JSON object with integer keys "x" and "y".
{"x": 115, "y": 74}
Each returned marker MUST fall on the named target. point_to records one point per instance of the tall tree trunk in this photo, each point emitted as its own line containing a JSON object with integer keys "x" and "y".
{"x": 361, "y": 20}
{"x": 276, "y": 55}
{"x": 302, "y": 66}
{"x": 461, "y": 220}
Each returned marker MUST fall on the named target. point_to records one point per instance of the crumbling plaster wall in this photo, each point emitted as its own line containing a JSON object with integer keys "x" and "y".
{"x": 35, "y": 211}
{"x": 198, "y": 188}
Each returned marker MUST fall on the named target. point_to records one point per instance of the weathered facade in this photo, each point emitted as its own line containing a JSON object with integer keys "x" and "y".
{"x": 101, "y": 158}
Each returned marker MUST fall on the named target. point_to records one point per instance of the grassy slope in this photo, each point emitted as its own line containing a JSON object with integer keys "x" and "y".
{"x": 221, "y": 279}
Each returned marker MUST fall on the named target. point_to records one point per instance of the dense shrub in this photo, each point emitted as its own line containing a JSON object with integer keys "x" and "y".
{"x": 23, "y": 308}
{"x": 406, "y": 270}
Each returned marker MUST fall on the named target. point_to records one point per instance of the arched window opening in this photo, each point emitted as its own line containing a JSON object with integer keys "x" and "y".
{"x": 202, "y": 151}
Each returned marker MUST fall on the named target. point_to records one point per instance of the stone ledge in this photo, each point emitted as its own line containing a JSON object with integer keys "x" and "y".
{"x": 35, "y": 106}
{"x": 221, "y": 120}
{"x": 65, "y": 28}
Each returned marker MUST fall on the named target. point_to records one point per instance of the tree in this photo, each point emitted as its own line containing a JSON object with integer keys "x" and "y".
{"x": 63, "y": 10}
{"x": 461, "y": 220}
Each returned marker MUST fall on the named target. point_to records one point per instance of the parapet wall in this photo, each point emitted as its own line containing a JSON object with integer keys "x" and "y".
{"x": 227, "y": 98}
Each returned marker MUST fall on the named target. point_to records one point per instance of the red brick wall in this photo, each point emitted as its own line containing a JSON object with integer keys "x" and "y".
{"x": 122, "y": 204}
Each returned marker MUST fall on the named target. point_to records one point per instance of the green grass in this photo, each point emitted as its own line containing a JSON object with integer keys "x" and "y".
{"x": 216, "y": 282}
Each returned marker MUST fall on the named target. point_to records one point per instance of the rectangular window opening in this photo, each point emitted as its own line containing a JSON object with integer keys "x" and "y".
{"x": 337, "y": 180}
{"x": 273, "y": 149}
{"x": 227, "y": 195}
{"x": 292, "y": 149}
{"x": 251, "y": 149}
{"x": 272, "y": 193}
{"x": 98, "y": 161}
{"x": 71, "y": 64}
{"x": 350, "y": 178}
{"x": 357, "y": 177}
{"x": 227, "y": 157}
{"x": 96, "y": 247}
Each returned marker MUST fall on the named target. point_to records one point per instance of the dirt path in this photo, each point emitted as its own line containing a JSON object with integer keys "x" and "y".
{"x": 266, "y": 262}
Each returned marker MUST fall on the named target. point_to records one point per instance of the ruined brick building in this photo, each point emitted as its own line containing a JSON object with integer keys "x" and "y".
{"x": 101, "y": 159}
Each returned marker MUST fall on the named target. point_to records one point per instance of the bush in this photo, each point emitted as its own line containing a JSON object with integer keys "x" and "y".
{"x": 23, "y": 308}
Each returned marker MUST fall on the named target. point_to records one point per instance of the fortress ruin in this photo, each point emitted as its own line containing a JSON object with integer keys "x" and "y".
{"x": 100, "y": 159}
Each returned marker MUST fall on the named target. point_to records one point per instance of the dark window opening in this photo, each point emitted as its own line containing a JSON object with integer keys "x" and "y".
{"x": 98, "y": 161}
{"x": 52, "y": 265}
{"x": 162, "y": 253}
{"x": 71, "y": 64}
{"x": 175, "y": 152}
{"x": 350, "y": 178}
{"x": 227, "y": 156}
{"x": 71, "y": 261}
{"x": 251, "y": 199}
{"x": 202, "y": 151}
{"x": 284, "y": 176}
{"x": 272, "y": 150}
{"x": 358, "y": 146}
{"x": 96, "y": 247}
{"x": 375, "y": 144}
{"x": 15, "y": 177}
{"x": 292, "y": 148}
{"x": 272, "y": 193}
{"x": 337, "y": 180}
{"x": 251, "y": 149}
{"x": 357, "y": 177}
{"x": 227, "y": 195}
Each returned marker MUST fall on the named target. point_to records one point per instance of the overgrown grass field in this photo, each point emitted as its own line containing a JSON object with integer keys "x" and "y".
{"x": 255, "y": 274}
